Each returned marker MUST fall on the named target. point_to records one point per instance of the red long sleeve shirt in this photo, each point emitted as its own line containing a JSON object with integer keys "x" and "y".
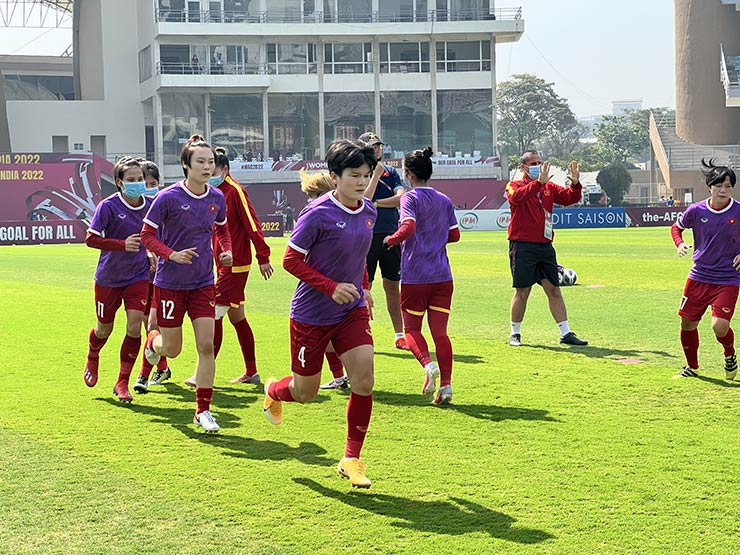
{"x": 529, "y": 199}
{"x": 244, "y": 229}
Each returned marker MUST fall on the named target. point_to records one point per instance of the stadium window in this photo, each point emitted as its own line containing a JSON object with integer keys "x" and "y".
{"x": 145, "y": 64}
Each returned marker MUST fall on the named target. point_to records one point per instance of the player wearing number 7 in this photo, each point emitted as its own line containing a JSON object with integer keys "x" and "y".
{"x": 122, "y": 275}
{"x": 178, "y": 229}
{"x": 327, "y": 251}
{"x": 714, "y": 278}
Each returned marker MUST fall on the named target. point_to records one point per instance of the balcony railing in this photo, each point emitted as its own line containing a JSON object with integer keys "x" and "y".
{"x": 189, "y": 68}
{"x": 415, "y": 16}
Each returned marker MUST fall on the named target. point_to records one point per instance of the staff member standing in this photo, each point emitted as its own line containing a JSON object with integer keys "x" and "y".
{"x": 385, "y": 192}
{"x": 531, "y": 254}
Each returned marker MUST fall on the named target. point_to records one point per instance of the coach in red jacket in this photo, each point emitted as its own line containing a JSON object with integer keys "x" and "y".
{"x": 531, "y": 254}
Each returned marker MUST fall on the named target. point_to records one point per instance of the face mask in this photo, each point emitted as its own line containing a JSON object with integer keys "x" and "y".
{"x": 533, "y": 171}
{"x": 215, "y": 181}
{"x": 151, "y": 191}
{"x": 134, "y": 189}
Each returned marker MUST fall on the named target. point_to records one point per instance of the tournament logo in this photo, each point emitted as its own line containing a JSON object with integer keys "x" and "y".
{"x": 469, "y": 220}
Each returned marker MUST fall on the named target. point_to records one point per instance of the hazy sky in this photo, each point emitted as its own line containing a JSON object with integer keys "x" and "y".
{"x": 595, "y": 51}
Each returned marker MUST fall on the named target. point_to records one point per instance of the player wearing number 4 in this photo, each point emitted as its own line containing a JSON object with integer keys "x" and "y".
{"x": 326, "y": 252}
{"x": 122, "y": 275}
{"x": 428, "y": 223}
{"x": 245, "y": 230}
{"x": 531, "y": 254}
{"x": 178, "y": 229}
{"x": 714, "y": 278}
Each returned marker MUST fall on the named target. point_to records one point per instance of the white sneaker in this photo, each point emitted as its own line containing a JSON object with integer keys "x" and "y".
{"x": 336, "y": 383}
{"x": 431, "y": 373}
{"x": 444, "y": 395}
{"x": 206, "y": 421}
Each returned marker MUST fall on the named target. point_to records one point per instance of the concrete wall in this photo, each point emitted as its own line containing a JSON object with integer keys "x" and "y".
{"x": 701, "y": 114}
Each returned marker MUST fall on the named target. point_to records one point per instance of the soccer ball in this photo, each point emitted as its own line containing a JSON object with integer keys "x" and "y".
{"x": 561, "y": 271}
{"x": 569, "y": 277}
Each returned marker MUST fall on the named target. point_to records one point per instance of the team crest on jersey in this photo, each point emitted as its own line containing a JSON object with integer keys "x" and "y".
{"x": 122, "y": 216}
{"x": 212, "y": 208}
{"x": 185, "y": 206}
{"x": 341, "y": 225}
{"x": 732, "y": 221}
{"x": 546, "y": 193}
{"x": 369, "y": 222}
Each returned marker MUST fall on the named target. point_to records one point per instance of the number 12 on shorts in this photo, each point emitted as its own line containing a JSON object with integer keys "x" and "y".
{"x": 168, "y": 307}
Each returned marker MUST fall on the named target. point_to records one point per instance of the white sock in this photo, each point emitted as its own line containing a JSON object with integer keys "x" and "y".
{"x": 516, "y": 327}
{"x": 564, "y": 328}
{"x": 400, "y": 335}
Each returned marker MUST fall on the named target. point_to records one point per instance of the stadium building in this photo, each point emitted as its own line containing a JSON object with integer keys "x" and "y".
{"x": 273, "y": 81}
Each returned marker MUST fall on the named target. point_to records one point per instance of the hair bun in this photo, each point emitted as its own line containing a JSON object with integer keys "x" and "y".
{"x": 197, "y": 139}
{"x": 427, "y": 152}
{"x": 221, "y": 150}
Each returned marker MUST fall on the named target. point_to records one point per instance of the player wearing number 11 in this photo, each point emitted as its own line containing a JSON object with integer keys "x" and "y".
{"x": 531, "y": 254}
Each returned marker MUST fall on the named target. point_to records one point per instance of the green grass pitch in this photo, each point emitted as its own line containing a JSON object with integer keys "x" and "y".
{"x": 545, "y": 449}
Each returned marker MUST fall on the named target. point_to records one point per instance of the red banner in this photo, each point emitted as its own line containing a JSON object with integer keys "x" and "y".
{"x": 48, "y": 189}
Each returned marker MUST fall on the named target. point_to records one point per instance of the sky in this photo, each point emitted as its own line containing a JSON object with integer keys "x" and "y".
{"x": 594, "y": 51}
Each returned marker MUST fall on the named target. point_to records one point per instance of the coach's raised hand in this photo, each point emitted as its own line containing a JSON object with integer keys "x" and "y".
{"x": 184, "y": 256}
{"x": 574, "y": 174}
{"x": 544, "y": 173}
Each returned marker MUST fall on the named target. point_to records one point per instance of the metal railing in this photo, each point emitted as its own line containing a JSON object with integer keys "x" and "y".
{"x": 186, "y": 15}
{"x": 729, "y": 70}
{"x": 228, "y": 68}
{"x": 41, "y": 14}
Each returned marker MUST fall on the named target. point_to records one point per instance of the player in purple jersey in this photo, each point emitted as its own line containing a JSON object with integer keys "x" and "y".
{"x": 179, "y": 229}
{"x": 327, "y": 251}
{"x": 428, "y": 223}
{"x": 714, "y": 278}
{"x": 122, "y": 275}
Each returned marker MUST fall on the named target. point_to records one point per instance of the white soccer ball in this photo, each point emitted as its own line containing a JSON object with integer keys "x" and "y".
{"x": 569, "y": 277}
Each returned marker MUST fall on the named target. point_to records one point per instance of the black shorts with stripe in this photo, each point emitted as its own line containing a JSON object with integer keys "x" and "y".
{"x": 531, "y": 263}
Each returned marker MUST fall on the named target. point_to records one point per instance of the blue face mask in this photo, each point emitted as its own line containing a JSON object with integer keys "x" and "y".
{"x": 215, "y": 181}
{"x": 134, "y": 189}
{"x": 533, "y": 171}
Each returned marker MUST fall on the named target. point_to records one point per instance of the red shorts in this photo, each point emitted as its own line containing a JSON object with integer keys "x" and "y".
{"x": 416, "y": 299}
{"x": 230, "y": 288}
{"x": 150, "y": 299}
{"x": 172, "y": 305}
{"x": 308, "y": 342}
{"x": 697, "y": 296}
{"x": 108, "y": 299}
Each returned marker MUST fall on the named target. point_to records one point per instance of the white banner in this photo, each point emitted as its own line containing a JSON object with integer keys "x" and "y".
{"x": 483, "y": 220}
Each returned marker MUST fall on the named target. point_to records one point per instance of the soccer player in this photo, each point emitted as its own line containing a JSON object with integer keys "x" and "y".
{"x": 122, "y": 275}
{"x": 714, "y": 278}
{"x": 326, "y": 252}
{"x": 385, "y": 190}
{"x": 178, "y": 228}
{"x": 428, "y": 223}
{"x": 163, "y": 372}
{"x": 315, "y": 185}
{"x": 245, "y": 230}
{"x": 531, "y": 254}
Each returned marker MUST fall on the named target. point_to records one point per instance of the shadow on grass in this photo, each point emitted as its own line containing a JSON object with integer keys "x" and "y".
{"x": 494, "y": 413}
{"x": 407, "y": 355}
{"x": 598, "y": 352}
{"x": 719, "y": 382}
{"x": 453, "y": 518}
{"x": 220, "y": 397}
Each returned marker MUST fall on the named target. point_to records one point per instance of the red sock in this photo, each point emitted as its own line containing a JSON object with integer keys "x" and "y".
{"x": 218, "y": 336}
{"x": 728, "y": 342}
{"x": 129, "y": 351}
{"x": 359, "y": 409}
{"x": 442, "y": 345}
{"x": 95, "y": 343}
{"x": 246, "y": 342}
{"x": 418, "y": 346}
{"x": 162, "y": 364}
{"x": 280, "y": 390}
{"x": 146, "y": 368}
{"x": 335, "y": 364}
{"x": 203, "y": 396}
{"x": 690, "y": 342}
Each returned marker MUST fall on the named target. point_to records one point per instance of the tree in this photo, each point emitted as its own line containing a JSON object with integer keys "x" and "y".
{"x": 615, "y": 181}
{"x": 530, "y": 112}
{"x": 625, "y": 139}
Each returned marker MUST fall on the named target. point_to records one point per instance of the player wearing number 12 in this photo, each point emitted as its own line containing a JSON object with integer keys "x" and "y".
{"x": 122, "y": 275}
{"x": 714, "y": 278}
{"x": 178, "y": 229}
{"x": 327, "y": 251}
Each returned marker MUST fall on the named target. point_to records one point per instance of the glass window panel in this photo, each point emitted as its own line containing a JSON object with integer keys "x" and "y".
{"x": 294, "y": 125}
{"x": 355, "y": 11}
{"x": 348, "y": 115}
{"x": 236, "y": 124}
{"x": 486, "y": 49}
{"x": 464, "y": 122}
{"x": 182, "y": 116}
{"x": 406, "y": 120}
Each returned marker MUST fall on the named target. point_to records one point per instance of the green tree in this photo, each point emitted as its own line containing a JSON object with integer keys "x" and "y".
{"x": 625, "y": 139}
{"x": 615, "y": 181}
{"x": 530, "y": 113}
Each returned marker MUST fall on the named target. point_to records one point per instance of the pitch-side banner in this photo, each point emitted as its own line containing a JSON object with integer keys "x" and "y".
{"x": 483, "y": 220}
{"x": 320, "y": 165}
{"x": 47, "y": 198}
